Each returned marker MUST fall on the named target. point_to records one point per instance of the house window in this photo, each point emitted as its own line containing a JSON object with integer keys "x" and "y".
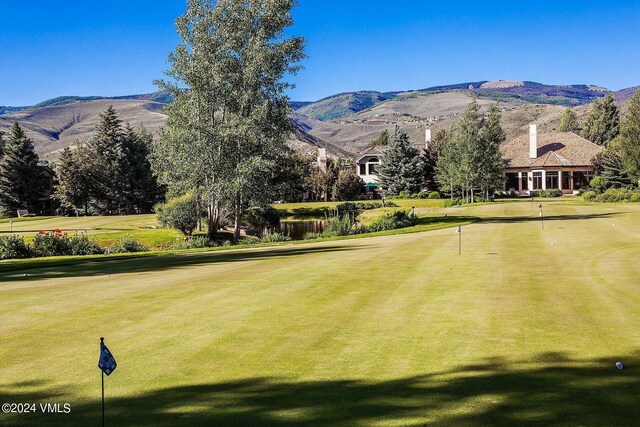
{"x": 523, "y": 181}
{"x": 552, "y": 180}
{"x": 581, "y": 179}
{"x": 372, "y": 168}
{"x": 537, "y": 180}
{"x": 512, "y": 181}
{"x": 566, "y": 180}
{"x": 363, "y": 169}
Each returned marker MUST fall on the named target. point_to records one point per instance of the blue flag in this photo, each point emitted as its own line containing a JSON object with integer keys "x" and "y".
{"x": 107, "y": 362}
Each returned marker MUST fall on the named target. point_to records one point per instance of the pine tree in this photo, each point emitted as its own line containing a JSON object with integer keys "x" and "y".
{"x": 603, "y": 121}
{"x": 67, "y": 191}
{"x": 613, "y": 171}
{"x": 109, "y": 160}
{"x": 20, "y": 178}
{"x": 143, "y": 191}
{"x": 347, "y": 185}
{"x": 569, "y": 121}
{"x": 400, "y": 169}
{"x": 630, "y": 140}
{"x": 382, "y": 139}
{"x": 1, "y": 144}
{"x": 429, "y": 160}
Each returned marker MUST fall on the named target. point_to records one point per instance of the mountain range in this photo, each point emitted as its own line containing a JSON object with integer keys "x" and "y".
{"x": 343, "y": 123}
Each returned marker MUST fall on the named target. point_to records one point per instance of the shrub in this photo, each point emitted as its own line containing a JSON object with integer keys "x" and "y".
{"x": 127, "y": 244}
{"x": 391, "y": 221}
{"x": 635, "y": 197}
{"x": 52, "y": 243}
{"x": 81, "y": 245}
{"x": 589, "y": 196}
{"x": 274, "y": 238}
{"x": 311, "y": 236}
{"x": 180, "y": 213}
{"x": 615, "y": 195}
{"x": 452, "y": 202}
{"x": 340, "y": 226}
{"x": 13, "y": 247}
{"x": 433, "y": 195}
{"x": 347, "y": 185}
{"x": 262, "y": 217}
{"x": 597, "y": 185}
{"x": 195, "y": 242}
{"x": 341, "y": 208}
{"x": 548, "y": 193}
{"x": 5, "y": 212}
{"x": 405, "y": 194}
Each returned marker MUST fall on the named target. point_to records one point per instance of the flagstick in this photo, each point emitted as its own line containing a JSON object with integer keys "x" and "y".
{"x": 101, "y": 342}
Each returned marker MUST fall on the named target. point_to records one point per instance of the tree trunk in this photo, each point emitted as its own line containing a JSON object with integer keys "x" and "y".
{"x": 213, "y": 218}
{"x": 237, "y": 216}
{"x": 198, "y": 210}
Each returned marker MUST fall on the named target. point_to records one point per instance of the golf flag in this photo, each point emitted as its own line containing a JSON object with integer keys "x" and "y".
{"x": 106, "y": 363}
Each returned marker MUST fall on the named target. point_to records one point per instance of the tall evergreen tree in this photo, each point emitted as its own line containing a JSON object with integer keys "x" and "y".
{"x": 400, "y": 167}
{"x": 347, "y": 186}
{"x": 429, "y": 160}
{"x": 603, "y": 121}
{"x": 70, "y": 190}
{"x": 20, "y": 178}
{"x": 569, "y": 121}
{"x": 382, "y": 139}
{"x": 107, "y": 146}
{"x": 143, "y": 191}
{"x": 630, "y": 140}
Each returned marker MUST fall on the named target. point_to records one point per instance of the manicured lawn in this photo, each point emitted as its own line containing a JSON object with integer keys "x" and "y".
{"x": 524, "y": 328}
{"x": 105, "y": 230}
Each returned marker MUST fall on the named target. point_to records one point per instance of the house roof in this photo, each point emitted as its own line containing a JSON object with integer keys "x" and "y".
{"x": 378, "y": 150}
{"x": 554, "y": 149}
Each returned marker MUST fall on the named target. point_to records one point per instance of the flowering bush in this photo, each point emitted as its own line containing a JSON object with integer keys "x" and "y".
{"x": 58, "y": 243}
{"x": 51, "y": 243}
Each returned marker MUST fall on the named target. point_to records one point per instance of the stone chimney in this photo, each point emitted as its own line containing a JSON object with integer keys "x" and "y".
{"x": 322, "y": 159}
{"x": 533, "y": 141}
{"x": 427, "y": 138}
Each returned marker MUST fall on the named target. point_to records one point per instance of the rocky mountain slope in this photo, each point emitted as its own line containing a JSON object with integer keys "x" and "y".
{"x": 343, "y": 123}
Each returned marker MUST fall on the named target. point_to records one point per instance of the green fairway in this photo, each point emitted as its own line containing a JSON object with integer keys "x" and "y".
{"x": 523, "y": 328}
{"x": 105, "y": 230}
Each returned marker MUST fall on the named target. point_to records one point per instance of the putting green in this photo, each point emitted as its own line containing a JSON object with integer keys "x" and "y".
{"x": 524, "y": 328}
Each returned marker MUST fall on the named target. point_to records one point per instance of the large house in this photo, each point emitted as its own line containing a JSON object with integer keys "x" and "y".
{"x": 550, "y": 160}
{"x": 546, "y": 161}
{"x": 368, "y": 160}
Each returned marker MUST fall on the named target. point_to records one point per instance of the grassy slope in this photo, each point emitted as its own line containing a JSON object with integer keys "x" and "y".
{"x": 105, "y": 230}
{"x": 523, "y": 328}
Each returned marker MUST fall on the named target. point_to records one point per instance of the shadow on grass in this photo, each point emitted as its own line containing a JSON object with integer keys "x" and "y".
{"x": 446, "y": 220}
{"x": 515, "y": 219}
{"x": 161, "y": 262}
{"x": 551, "y": 390}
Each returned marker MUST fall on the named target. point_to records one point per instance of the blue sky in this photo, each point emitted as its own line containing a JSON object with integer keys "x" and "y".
{"x": 117, "y": 47}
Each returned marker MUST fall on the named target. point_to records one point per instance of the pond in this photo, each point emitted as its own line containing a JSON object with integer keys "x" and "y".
{"x": 297, "y": 229}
